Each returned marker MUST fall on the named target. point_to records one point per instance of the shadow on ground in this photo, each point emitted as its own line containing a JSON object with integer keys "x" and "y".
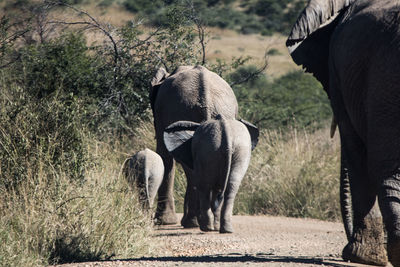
{"x": 236, "y": 258}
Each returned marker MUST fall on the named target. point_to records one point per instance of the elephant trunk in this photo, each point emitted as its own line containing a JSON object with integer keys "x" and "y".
{"x": 345, "y": 202}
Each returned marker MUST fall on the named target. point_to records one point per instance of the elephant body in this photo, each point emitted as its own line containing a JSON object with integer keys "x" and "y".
{"x": 218, "y": 153}
{"x": 190, "y": 93}
{"x": 356, "y": 57}
{"x": 145, "y": 171}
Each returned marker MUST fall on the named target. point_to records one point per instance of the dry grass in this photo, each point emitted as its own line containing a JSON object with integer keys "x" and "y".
{"x": 226, "y": 44}
{"x": 295, "y": 174}
{"x": 54, "y": 219}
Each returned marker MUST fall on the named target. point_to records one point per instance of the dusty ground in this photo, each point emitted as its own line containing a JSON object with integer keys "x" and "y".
{"x": 257, "y": 241}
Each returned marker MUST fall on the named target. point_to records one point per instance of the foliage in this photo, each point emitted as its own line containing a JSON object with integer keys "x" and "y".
{"x": 279, "y": 103}
{"x": 38, "y": 135}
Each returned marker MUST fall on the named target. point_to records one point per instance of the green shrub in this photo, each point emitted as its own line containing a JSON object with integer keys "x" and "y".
{"x": 62, "y": 64}
{"x": 293, "y": 99}
{"x": 33, "y": 132}
{"x": 143, "y": 6}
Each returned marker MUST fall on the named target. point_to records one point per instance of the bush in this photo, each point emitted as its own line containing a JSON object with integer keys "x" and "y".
{"x": 293, "y": 99}
{"x": 37, "y": 136}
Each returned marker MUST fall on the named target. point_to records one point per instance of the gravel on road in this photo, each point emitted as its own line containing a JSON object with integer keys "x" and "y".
{"x": 257, "y": 241}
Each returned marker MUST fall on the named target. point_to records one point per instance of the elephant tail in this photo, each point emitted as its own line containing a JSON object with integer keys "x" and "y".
{"x": 226, "y": 148}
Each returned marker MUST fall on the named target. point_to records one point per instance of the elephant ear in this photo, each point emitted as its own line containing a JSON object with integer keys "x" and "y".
{"x": 254, "y": 133}
{"x": 308, "y": 42}
{"x": 156, "y": 82}
{"x": 178, "y": 141}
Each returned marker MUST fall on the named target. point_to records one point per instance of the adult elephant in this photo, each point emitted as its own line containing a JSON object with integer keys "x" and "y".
{"x": 353, "y": 48}
{"x": 190, "y": 93}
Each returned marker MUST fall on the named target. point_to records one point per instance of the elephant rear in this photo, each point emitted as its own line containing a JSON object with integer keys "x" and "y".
{"x": 144, "y": 171}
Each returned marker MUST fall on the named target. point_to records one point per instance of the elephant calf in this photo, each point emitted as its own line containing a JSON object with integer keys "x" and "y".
{"x": 145, "y": 170}
{"x": 218, "y": 151}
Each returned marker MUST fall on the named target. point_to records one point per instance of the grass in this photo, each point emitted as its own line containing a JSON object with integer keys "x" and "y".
{"x": 295, "y": 174}
{"x": 53, "y": 219}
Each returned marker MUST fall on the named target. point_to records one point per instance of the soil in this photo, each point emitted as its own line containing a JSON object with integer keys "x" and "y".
{"x": 257, "y": 241}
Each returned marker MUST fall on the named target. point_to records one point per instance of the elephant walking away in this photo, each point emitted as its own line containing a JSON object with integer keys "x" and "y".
{"x": 218, "y": 153}
{"x": 145, "y": 171}
{"x": 353, "y": 48}
{"x": 190, "y": 93}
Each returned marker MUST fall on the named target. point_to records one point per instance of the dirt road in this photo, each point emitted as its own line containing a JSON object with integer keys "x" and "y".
{"x": 257, "y": 241}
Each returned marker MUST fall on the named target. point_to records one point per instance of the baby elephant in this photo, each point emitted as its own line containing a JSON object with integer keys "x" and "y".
{"x": 218, "y": 152}
{"x": 146, "y": 170}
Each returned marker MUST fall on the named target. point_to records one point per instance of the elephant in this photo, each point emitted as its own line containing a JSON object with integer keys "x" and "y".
{"x": 218, "y": 153}
{"x": 190, "y": 93}
{"x": 145, "y": 171}
{"x": 353, "y": 48}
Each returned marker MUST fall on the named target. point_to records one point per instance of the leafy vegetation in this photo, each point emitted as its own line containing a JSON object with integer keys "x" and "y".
{"x": 295, "y": 99}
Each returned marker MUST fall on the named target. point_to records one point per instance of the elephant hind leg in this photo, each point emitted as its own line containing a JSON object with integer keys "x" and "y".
{"x": 366, "y": 244}
{"x": 206, "y": 215}
{"x": 389, "y": 200}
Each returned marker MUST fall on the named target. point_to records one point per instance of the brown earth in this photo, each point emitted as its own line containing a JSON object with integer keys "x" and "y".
{"x": 257, "y": 241}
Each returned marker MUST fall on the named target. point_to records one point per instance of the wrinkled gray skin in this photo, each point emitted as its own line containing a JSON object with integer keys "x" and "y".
{"x": 192, "y": 94}
{"x": 145, "y": 171}
{"x": 356, "y": 57}
{"x": 218, "y": 152}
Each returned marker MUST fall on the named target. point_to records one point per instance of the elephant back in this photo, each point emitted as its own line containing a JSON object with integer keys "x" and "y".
{"x": 193, "y": 94}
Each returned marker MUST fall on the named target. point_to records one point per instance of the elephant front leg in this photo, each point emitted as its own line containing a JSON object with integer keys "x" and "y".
{"x": 191, "y": 203}
{"x": 206, "y": 215}
{"x": 217, "y": 217}
{"x": 165, "y": 213}
{"x": 389, "y": 200}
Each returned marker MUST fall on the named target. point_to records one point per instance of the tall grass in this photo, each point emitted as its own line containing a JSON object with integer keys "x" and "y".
{"x": 293, "y": 174}
{"x": 62, "y": 220}
{"x": 51, "y": 212}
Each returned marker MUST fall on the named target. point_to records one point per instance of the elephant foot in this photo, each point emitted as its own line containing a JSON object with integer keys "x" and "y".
{"x": 216, "y": 226}
{"x": 357, "y": 252}
{"x": 226, "y": 228}
{"x": 367, "y": 245}
{"x": 189, "y": 222}
{"x": 165, "y": 218}
{"x": 206, "y": 228}
{"x": 394, "y": 251}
